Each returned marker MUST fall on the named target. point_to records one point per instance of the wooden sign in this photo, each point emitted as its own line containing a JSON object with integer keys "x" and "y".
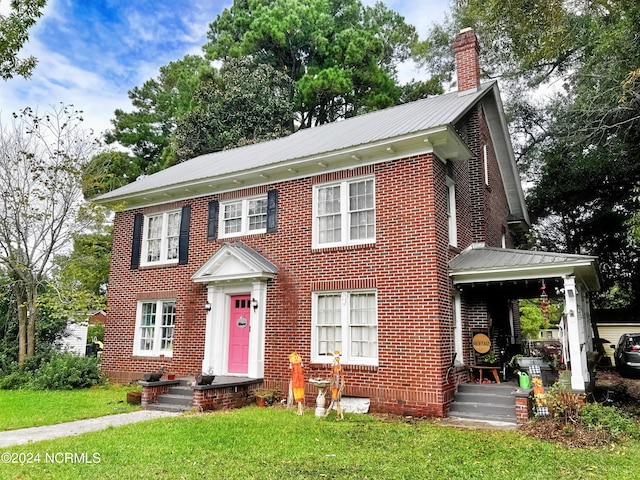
{"x": 481, "y": 343}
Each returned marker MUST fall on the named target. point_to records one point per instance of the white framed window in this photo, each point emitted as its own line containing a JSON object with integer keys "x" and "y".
{"x": 451, "y": 213}
{"x": 161, "y": 237}
{"x": 485, "y": 161}
{"x": 155, "y": 323}
{"x": 244, "y": 216}
{"x": 344, "y": 213}
{"x": 457, "y": 328}
{"x": 346, "y": 321}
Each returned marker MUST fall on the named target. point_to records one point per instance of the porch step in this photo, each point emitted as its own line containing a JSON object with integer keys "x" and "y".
{"x": 179, "y": 398}
{"x": 485, "y": 402}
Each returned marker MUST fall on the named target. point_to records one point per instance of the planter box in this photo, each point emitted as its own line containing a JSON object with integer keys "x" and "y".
{"x": 526, "y": 362}
{"x": 134, "y": 398}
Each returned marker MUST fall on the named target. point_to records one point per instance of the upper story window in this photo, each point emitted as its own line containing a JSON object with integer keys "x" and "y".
{"x": 161, "y": 237}
{"x": 451, "y": 213}
{"x": 485, "y": 161}
{"x": 344, "y": 213}
{"x": 244, "y": 216}
{"x": 155, "y": 323}
{"x": 346, "y": 321}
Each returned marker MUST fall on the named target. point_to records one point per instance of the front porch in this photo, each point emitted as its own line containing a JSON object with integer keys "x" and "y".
{"x": 182, "y": 394}
{"x": 490, "y": 278}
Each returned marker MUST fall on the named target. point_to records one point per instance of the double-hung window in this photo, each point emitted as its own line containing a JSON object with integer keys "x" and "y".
{"x": 245, "y": 216}
{"x": 155, "y": 322}
{"x": 161, "y": 237}
{"x": 348, "y": 322}
{"x": 344, "y": 213}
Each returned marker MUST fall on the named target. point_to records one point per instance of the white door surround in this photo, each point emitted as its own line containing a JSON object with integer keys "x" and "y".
{"x": 234, "y": 269}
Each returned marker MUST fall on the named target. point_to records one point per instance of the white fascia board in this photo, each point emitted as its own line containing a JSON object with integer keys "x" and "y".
{"x": 516, "y": 272}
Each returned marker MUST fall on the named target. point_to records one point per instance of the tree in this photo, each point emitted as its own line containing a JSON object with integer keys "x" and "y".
{"x": 244, "y": 103}
{"x": 78, "y": 279}
{"x": 340, "y": 58}
{"x": 41, "y": 209}
{"x": 341, "y": 55}
{"x": 14, "y": 33}
{"x": 532, "y": 319}
{"x": 158, "y": 105}
{"x": 579, "y": 147}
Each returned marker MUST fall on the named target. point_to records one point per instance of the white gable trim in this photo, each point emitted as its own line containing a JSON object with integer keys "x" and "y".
{"x": 234, "y": 262}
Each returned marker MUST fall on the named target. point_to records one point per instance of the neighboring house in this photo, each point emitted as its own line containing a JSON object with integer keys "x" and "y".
{"x": 612, "y": 324}
{"x": 384, "y": 236}
{"x": 74, "y": 337}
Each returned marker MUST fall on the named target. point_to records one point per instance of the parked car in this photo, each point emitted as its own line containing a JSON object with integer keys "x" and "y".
{"x": 627, "y": 353}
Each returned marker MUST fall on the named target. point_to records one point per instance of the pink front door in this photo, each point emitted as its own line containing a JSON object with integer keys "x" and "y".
{"x": 239, "y": 326}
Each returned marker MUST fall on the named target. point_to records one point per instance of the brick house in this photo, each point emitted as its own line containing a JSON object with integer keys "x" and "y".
{"x": 338, "y": 237}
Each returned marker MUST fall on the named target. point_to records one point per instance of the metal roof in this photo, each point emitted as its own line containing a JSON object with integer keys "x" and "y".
{"x": 390, "y": 123}
{"x": 479, "y": 263}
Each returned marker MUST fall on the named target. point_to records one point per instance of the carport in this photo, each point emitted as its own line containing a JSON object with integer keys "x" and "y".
{"x": 514, "y": 274}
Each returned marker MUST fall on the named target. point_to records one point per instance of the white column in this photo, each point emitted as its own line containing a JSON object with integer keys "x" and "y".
{"x": 576, "y": 335}
{"x": 257, "y": 332}
{"x": 208, "y": 361}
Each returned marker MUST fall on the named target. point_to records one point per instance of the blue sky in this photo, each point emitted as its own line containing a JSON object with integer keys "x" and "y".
{"x": 92, "y": 52}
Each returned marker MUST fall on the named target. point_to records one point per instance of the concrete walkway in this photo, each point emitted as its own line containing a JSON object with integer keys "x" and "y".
{"x": 35, "y": 434}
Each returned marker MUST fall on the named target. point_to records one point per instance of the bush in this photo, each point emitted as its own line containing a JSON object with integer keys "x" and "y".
{"x": 55, "y": 371}
{"x": 600, "y": 417}
{"x": 66, "y": 371}
{"x": 14, "y": 379}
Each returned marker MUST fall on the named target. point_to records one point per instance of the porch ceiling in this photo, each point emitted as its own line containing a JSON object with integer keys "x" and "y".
{"x": 479, "y": 266}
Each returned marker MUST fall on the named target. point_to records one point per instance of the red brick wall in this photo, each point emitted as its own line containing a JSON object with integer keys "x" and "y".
{"x": 407, "y": 266}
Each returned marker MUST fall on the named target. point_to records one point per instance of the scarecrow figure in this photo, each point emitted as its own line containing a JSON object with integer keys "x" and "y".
{"x": 297, "y": 380}
{"x": 337, "y": 385}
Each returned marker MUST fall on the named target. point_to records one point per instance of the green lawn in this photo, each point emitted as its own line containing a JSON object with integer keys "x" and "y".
{"x": 274, "y": 443}
{"x": 28, "y": 408}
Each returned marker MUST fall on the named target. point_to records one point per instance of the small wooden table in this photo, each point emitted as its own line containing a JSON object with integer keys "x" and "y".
{"x": 493, "y": 369}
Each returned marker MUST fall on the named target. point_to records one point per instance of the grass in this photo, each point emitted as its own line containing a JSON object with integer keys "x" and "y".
{"x": 28, "y": 408}
{"x": 274, "y": 443}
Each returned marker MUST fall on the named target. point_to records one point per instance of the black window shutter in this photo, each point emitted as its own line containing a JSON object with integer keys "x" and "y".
{"x": 272, "y": 211}
{"x": 212, "y": 220}
{"x": 183, "y": 241}
{"x": 137, "y": 241}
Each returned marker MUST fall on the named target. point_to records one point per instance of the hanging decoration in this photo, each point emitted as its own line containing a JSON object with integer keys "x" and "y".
{"x": 544, "y": 303}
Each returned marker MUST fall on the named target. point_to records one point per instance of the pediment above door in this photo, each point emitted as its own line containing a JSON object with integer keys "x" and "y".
{"x": 235, "y": 261}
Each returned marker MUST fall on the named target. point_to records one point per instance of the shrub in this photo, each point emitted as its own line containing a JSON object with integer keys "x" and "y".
{"x": 600, "y": 417}
{"x": 14, "y": 379}
{"x": 66, "y": 371}
{"x": 563, "y": 403}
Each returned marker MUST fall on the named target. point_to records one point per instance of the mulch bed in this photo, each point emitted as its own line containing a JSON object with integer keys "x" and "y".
{"x": 624, "y": 394}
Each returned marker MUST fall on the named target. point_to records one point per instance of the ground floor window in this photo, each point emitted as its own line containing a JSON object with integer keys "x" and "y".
{"x": 155, "y": 322}
{"x": 346, "y": 321}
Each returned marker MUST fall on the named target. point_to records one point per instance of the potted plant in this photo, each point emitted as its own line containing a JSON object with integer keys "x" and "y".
{"x": 267, "y": 396}
{"x": 490, "y": 358}
{"x": 206, "y": 378}
{"x": 154, "y": 376}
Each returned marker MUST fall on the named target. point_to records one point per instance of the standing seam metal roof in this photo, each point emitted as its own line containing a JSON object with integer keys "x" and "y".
{"x": 479, "y": 258}
{"x": 376, "y": 126}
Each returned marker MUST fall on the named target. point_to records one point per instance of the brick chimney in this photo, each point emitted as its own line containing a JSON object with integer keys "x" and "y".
{"x": 467, "y": 50}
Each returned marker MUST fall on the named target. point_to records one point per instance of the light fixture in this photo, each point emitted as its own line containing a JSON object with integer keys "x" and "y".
{"x": 207, "y": 307}
{"x": 254, "y": 304}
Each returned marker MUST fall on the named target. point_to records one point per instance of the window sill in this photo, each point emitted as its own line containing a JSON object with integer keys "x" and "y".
{"x": 344, "y": 248}
{"x": 151, "y": 266}
{"x": 347, "y": 367}
{"x": 147, "y": 356}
